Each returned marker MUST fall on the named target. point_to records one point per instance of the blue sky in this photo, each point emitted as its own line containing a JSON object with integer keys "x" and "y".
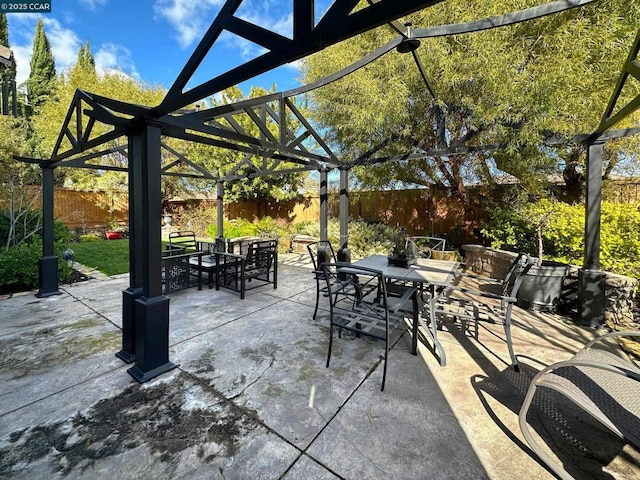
{"x": 152, "y": 39}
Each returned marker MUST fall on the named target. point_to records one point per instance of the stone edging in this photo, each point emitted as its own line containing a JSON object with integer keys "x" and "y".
{"x": 620, "y": 291}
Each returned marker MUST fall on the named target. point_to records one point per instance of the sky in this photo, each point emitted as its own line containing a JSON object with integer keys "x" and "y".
{"x": 151, "y": 40}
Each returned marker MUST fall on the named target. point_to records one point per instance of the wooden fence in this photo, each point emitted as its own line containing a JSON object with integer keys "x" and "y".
{"x": 82, "y": 210}
{"x": 421, "y": 211}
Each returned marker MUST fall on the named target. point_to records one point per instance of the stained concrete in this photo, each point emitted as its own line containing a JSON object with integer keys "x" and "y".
{"x": 251, "y": 397}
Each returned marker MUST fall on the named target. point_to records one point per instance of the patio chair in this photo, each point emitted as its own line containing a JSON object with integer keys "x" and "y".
{"x": 463, "y": 304}
{"x": 320, "y": 252}
{"x": 184, "y": 240}
{"x": 423, "y": 246}
{"x": 372, "y": 315}
{"x": 603, "y": 384}
{"x": 260, "y": 263}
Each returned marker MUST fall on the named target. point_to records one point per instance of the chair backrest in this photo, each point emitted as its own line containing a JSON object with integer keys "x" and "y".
{"x": 240, "y": 245}
{"x": 218, "y": 245}
{"x": 510, "y": 288}
{"x": 347, "y": 295}
{"x": 423, "y": 246}
{"x": 261, "y": 254}
{"x": 516, "y": 268}
{"x": 184, "y": 239}
{"x": 321, "y": 252}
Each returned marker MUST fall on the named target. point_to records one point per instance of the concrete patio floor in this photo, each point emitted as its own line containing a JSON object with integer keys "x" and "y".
{"x": 251, "y": 397}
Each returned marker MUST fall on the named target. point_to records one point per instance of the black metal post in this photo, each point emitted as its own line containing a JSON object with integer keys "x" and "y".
{"x": 152, "y": 307}
{"x": 344, "y": 253}
{"x": 324, "y": 204}
{"x": 220, "y": 209}
{"x": 323, "y": 249}
{"x": 131, "y": 294}
{"x": 48, "y": 264}
{"x": 590, "y": 278}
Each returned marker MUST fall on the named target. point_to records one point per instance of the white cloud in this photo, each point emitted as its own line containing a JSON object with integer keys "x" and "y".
{"x": 64, "y": 43}
{"x": 111, "y": 58}
{"x": 189, "y": 18}
{"x": 92, "y": 4}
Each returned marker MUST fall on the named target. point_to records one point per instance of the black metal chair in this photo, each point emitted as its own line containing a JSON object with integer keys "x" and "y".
{"x": 320, "y": 252}
{"x": 260, "y": 263}
{"x": 363, "y": 307}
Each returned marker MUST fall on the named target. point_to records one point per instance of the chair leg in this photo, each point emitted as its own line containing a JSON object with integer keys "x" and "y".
{"x": 315, "y": 312}
{"x": 330, "y": 343}
{"x": 539, "y": 451}
{"x": 384, "y": 367}
{"x": 507, "y": 331}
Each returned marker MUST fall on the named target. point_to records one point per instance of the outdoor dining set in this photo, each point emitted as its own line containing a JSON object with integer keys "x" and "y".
{"x": 374, "y": 295}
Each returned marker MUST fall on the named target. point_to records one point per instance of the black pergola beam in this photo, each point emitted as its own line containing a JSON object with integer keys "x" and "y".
{"x": 341, "y": 27}
{"x": 499, "y": 20}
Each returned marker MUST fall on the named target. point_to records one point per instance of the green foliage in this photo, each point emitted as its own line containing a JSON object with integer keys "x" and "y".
{"x": 90, "y": 237}
{"x": 42, "y": 76}
{"x": 6, "y": 72}
{"x": 19, "y": 259}
{"x": 365, "y": 238}
{"x": 510, "y": 85}
{"x": 563, "y": 236}
{"x": 283, "y": 186}
{"x": 85, "y": 59}
{"x": 19, "y": 266}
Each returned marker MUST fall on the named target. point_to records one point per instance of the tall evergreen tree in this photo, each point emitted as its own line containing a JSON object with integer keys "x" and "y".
{"x": 8, "y": 72}
{"x": 85, "y": 59}
{"x": 43, "y": 70}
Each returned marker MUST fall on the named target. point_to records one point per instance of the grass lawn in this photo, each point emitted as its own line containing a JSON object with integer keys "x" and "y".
{"x": 111, "y": 257}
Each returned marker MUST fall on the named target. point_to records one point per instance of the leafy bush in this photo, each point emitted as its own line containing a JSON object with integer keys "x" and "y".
{"x": 19, "y": 263}
{"x": 563, "y": 236}
{"x": 19, "y": 268}
{"x": 234, "y": 228}
{"x": 197, "y": 217}
{"x": 365, "y": 238}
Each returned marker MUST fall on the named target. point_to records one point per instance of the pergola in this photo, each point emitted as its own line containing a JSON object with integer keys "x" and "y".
{"x": 145, "y": 337}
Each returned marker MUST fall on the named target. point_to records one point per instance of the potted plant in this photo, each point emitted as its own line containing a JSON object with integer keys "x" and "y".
{"x": 542, "y": 285}
{"x": 112, "y": 232}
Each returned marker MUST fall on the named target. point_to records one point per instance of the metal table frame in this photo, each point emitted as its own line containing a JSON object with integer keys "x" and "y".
{"x": 429, "y": 274}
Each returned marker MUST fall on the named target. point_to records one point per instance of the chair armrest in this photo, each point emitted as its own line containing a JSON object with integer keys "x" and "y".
{"x": 408, "y": 294}
{"x": 616, "y": 369}
{"x": 477, "y": 293}
{"x": 624, "y": 333}
{"x": 231, "y": 255}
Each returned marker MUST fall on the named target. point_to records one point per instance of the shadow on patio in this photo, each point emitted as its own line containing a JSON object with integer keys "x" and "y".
{"x": 251, "y": 397}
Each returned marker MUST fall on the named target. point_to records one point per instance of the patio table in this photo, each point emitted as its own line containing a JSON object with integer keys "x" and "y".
{"x": 208, "y": 264}
{"x": 430, "y": 275}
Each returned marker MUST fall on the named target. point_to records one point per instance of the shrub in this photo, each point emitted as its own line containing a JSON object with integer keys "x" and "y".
{"x": 197, "y": 217}
{"x": 563, "y": 237}
{"x": 19, "y": 262}
{"x": 19, "y": 268}
{"x": 365, "y": 238}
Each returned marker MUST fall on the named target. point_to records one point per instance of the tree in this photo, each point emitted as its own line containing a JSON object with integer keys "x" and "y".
{"x": 48, "y": 120}
{"x": 17, "y": 201}
{"x": 511, "y": 86}
{"x": 6, "y": 72}
{"x": 41, "y": 83}
{"x": 85, "y": 58}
